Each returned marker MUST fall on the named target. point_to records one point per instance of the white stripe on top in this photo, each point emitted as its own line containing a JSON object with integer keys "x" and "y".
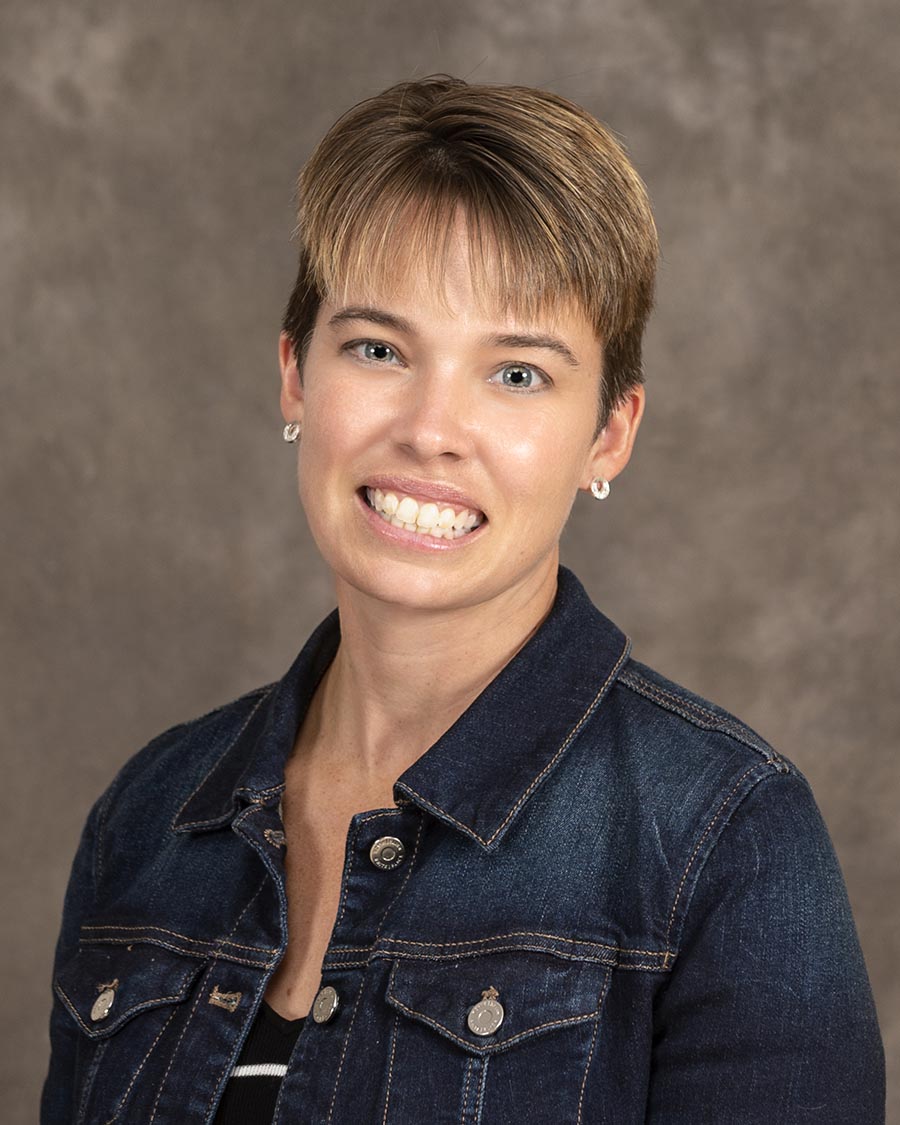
{"x": 260, "y": 1070}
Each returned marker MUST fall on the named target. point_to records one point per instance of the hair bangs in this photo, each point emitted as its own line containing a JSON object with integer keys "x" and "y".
{"x": 552, "y": 212}
{"x": 387, "y": 232}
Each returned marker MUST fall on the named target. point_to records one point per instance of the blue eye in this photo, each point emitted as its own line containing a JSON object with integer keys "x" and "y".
{"x": 519, "y": 376}
{"x": 372, "y": 350}
{"x": 380, "y": 352}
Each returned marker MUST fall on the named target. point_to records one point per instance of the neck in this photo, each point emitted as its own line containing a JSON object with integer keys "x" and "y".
{"x": 403, "y": 676}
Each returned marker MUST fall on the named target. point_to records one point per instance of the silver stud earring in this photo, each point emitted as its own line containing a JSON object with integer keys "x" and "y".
{"x": 291, "y": 431}
{"x": 600, "y": 488}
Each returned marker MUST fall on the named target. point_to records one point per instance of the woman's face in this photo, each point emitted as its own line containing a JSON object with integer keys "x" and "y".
{"x": 442, "y": 446}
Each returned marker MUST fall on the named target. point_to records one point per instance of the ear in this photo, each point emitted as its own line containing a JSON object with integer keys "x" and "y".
{"x": 291, "y": 387}
{"x": 612, "y": 447}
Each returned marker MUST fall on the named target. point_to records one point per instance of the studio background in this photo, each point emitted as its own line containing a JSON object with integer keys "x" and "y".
{"x": 155, "y": 560}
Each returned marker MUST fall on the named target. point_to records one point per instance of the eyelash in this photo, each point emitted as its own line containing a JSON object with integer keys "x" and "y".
{"x": 545, "y": 380}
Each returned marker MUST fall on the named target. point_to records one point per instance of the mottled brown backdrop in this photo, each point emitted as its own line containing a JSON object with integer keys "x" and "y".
{"x": 154, "y": 559}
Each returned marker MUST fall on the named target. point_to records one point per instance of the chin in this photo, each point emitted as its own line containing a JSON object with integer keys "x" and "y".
{"x": 406, "y": 586}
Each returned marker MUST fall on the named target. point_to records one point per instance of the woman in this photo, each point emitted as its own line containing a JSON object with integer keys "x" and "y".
{"x": 467, "y": 861}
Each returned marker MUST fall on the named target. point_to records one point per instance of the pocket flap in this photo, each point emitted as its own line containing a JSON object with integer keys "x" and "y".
{"x": 103, "y": 986}
{"x": 537, "y": 993}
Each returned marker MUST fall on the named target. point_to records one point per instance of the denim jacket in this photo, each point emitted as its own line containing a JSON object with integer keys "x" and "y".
{"x": 615, "y": 904}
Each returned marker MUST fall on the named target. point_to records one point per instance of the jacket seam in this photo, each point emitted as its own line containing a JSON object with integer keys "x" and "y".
{"x": 337, "y": 1077}
{"x": 717, "y": 815}
{"x": 124, "y": 1098}
{"x": 465, "y": 1094}
{"x": 590, "y": 1058}
{"x": 493, "y": 1047}
{"x": 482, "y": 1086}
{"x": 214, "y": 954}
{"x": 390, "y": 1075}
{"x": 90, "y": 1077}
{"x": 536, "y": 781}
{"x": 200, "y": 992}
{"x": 658, "y": 966}
{"x": 700, "y": 716}
{"x": 187, "y": 1023}
{"x": 516, "y": 933}
{"x": 608, "y": 962}
{"x": 567, "y": 742}
{"x": 156, "y": 1002}
{"x": 175, "y": 933}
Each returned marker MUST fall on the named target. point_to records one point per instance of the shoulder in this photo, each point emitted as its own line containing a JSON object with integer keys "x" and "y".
{"x": 130, "y": 822}
{"x": 689, "y": 710}
{"x": 668, "y": 730}
{"x": 696, "y": 782}
{"x": 156, "y": 781}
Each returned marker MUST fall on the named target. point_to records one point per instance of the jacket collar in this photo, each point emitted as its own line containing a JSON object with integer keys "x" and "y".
{"x": 478, "y": 776}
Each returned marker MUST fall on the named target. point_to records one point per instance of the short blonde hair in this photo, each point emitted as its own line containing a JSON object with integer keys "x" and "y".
{"x": 554, "y": 210}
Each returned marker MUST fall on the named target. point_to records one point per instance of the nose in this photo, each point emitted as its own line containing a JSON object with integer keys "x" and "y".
{"x": 437, "y": 416}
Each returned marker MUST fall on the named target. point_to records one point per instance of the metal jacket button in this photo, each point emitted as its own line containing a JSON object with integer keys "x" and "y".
{"x": 325, "y": 1004}
{"x": 487, "y": 1015}
{"x": 102, "y": 1004}
{"x": 387, "y": 852}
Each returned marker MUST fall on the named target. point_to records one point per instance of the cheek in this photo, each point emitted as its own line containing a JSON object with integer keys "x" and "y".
{"x": 338, "y": 419}
{"x": 543, "y": 466}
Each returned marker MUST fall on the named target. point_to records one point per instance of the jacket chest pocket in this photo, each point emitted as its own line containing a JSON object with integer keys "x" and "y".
{"x": 493, "y": 1038}
{"x": 124, "y": 1001}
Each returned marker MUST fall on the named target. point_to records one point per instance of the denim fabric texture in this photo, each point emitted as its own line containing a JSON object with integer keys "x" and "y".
{"x": 648, "y": 887}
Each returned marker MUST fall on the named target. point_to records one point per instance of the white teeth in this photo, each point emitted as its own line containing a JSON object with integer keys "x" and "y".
{"x": 425, "y": 518}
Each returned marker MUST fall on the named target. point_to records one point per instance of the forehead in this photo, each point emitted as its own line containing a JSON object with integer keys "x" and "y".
{"x": 459, "y": 280}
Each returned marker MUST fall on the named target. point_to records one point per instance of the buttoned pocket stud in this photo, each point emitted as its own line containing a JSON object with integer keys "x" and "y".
{"x": 387, "y": 852}
{"x": 104, "y": 1002}
{"x": 487, "y": 1015}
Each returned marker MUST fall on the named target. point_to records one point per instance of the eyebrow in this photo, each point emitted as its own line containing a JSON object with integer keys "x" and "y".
{"x": 527, "y": 340}
{"x": 503, "y": 340}
{"x": 375, "y": 316}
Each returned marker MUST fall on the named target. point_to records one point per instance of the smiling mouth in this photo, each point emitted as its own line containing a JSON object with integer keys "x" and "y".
{"x": 424, "y": 517}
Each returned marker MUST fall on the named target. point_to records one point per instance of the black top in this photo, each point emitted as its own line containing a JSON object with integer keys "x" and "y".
{"x": 253, "y": 1086}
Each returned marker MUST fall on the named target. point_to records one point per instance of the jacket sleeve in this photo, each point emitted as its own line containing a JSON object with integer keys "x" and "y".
{"x": 59, "y": 1100}
{"x": 768, "y": 1015}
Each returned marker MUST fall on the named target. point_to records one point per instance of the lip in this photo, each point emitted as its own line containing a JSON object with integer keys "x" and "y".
{"x": 412, "y": 539}
{"x": 425, "y": 490}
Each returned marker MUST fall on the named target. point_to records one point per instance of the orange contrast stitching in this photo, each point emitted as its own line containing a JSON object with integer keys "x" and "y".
{"x": 387, "y": 1093}
{"x": 699, "y": 844}
{"x": 175, "y": 933}
{"x": 587, "y": 1065}
{"x": 134, "y": 1076}
{"x": 187, "y": 1024}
